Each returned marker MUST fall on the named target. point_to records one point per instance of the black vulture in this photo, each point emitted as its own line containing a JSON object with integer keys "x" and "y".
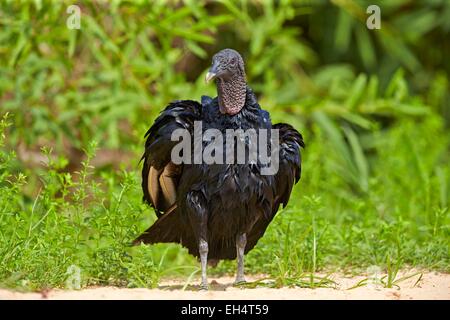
{"x": 217, "y": 210}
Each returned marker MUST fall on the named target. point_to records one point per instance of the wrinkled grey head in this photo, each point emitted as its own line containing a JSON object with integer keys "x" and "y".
{"x": 226, "y": 64}
{"x": 228, "y": 70}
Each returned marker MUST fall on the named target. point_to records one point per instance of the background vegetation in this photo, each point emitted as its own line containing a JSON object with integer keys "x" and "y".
{"x": 373, "y": 107}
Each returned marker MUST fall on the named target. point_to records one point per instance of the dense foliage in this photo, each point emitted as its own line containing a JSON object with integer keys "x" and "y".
{"x": 373, "y": 107}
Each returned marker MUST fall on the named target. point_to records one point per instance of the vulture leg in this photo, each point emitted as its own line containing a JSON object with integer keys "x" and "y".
{"x": 198, "y": 216}
{"x": 241, "y": 242}
{"x": 203, "y": 250}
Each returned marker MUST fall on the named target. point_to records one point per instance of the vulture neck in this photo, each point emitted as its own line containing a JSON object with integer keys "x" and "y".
{"x": 232, "y": 93}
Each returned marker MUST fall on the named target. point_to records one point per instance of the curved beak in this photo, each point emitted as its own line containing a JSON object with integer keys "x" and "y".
{"x": 212, "y": 72}
{"x": 210, "y": 76}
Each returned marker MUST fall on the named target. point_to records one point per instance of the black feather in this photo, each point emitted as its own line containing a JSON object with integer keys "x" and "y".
{"x": 231, "y": 198}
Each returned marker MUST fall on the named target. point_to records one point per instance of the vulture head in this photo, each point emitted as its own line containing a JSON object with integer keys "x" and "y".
{"x": 228, "y": 70}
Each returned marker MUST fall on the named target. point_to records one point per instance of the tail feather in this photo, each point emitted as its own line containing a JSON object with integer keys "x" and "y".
{"x": 165, "y": 229}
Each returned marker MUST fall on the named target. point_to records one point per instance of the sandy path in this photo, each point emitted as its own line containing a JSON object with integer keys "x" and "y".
{"x": 433, "y": 285}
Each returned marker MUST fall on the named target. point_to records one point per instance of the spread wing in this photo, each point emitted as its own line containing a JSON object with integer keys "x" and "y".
{"x": 290, "y": 168}
{"x": 160, "y": 176}
{"x": 288, "y": 174}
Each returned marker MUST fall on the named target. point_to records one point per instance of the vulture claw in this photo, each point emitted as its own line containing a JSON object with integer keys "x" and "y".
{"x": 240, "y": 281}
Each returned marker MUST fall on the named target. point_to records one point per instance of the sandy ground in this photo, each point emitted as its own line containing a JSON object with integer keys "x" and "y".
{"x": 432, "y": 285}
